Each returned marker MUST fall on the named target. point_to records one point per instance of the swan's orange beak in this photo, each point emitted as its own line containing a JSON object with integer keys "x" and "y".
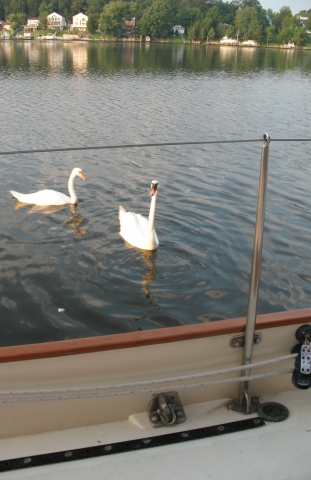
{"x": 81, "y": 175}
{"x": 153, "y": 191}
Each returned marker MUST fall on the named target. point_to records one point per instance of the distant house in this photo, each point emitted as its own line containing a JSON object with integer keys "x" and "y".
{"x": 79, "y": 22}
{"x": 128, "y": 26}
{"x": 226, "y": 27}
{"x": 55, "y": 21}
{"x": 6, "y": 26}
{"x": 303, "y": 19}
{"x": 32, "y": 25}
{"x": 179, "y": 29}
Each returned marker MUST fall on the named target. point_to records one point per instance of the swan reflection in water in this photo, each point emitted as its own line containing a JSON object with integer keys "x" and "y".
{"x": 149, "y": 257}
{"x": 75, "y": 221}
{"x": 47, "y": 210}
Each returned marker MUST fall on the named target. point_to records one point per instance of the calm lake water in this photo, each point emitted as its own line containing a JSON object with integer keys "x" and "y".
{"x": 79, "y": 94}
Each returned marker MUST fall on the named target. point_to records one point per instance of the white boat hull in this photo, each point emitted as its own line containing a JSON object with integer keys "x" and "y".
{"x": 77, "y": 415}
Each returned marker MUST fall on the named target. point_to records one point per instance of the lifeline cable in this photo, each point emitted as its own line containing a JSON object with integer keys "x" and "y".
{"x": 145, "y": 145}
{"x": 143, "y": 390}
{"x": 153, "y": 382}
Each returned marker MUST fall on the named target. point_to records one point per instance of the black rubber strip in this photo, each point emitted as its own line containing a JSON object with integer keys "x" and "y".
{"x": 128, "y": 446}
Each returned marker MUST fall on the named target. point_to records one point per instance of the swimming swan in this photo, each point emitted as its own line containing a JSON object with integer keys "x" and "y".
{"x": 138, "y": 230}
{"x": 51, "y": 197}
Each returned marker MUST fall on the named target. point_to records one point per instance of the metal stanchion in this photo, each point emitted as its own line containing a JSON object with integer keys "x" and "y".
{"x": 245, "y": 404}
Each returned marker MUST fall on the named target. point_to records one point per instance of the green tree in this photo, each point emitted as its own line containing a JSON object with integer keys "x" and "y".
{"x": 211, "y": 34}
{"x": 270, "y": 32}
{"x": 17, "y": 6}
{"x": 271, "y": 14}
{"x": 64, "y": 8}
{"x": 300, "y": 36}
{"x": 94, "y": 8}
{"x": 44, "y": 11}
{"x": 291, "y": 30}
{"x": 220, "y": 30}
{"x": 213, "y": 15}
{"x": 231, "y": 32}
{"x": 205, "y": 27}
{"x": 252, "y": 22}
{"x": 91, "y": 24}
{"x": 157, "y": 20}
{"x": 136, "y": 8}
{"x": 17, "y": 20}
{"x": 78, "y": 6}
{"x": 194, "y": 30}
{"x": 309, "y": 20}
{"x": 111, "y": 19}
{"x": 286, "y": 31}
{"x": 279, "y": 17}
{"x": 188, "y": 15}
{"x": 33, "y": 8}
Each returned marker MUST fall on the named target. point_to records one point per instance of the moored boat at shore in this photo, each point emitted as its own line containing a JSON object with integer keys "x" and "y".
{"x": 228, "y": 41}
{"x": 288, "y": 45}
{"x": 249, "y": 43}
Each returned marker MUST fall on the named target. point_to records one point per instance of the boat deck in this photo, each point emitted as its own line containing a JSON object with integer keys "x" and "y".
{"x": 276, "y": 450}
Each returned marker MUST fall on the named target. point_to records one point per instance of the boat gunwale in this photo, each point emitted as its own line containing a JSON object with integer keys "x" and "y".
{"x": 150, "y": 337}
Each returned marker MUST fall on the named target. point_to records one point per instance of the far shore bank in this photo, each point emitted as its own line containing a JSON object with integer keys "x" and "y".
{"x": 153, "y": 42}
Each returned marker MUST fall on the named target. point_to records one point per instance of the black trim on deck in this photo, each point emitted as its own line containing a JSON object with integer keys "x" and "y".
{"x": 128, "y": 446}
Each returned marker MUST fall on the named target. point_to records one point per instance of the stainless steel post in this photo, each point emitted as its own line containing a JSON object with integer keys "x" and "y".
{"x": 256, "y": 264}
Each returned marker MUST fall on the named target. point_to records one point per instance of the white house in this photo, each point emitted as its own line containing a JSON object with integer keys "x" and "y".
{"x": 33, "y": 22}
{"x": 55, "y": 21}
{"x": 32, "y": 25}
{"x": 6, "y": 26}
{"x": 79, "y": 22}
{"x": 179, "y": 29}
{"x": 302, "y": 19}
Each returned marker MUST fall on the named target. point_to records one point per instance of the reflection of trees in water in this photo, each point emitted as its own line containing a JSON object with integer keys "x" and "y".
{"x": 116, "y": 56}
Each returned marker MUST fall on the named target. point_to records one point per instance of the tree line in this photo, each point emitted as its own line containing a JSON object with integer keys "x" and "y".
{"x": 201, "y": 19}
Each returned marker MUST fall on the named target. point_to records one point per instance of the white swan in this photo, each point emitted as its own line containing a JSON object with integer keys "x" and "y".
{"x": 51, "y": 197}
{"x": 138, "y": 230}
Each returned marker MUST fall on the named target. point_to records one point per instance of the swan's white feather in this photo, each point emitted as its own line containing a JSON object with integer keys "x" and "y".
{"x": 136, "y": 230}
{"x": 42, "y": 198}
{"x": 45, "y": 198}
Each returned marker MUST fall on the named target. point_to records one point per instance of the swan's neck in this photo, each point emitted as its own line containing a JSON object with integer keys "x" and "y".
{"x": 152, "y": 212}
{"x": 73, "y": 196}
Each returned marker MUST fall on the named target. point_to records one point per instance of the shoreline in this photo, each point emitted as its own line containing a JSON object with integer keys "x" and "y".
{"x": 137, "y": 40}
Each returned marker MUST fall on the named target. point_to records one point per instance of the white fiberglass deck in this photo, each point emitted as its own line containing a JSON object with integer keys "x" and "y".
{"x": 274, "y": 451}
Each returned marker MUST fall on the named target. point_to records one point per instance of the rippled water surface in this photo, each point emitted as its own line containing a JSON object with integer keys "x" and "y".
{"x": 78, "y": 94}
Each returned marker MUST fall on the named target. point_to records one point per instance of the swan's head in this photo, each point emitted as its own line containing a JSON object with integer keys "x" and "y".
{"x": 78, "y": 173}
{"x": 154, "y": 187}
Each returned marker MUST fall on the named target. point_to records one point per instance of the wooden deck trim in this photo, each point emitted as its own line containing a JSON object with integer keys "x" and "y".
{"x": 150, "y": 337}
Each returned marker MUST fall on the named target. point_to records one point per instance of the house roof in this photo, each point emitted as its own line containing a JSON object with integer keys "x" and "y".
{"x": 55, "y": 13}
{"x": 81, "y": 14}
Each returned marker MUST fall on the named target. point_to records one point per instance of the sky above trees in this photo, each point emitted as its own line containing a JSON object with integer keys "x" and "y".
{"x": 295, "y": 5}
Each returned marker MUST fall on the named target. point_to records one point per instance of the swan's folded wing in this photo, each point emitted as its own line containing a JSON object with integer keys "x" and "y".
{"x": 135, "y": 229}
{"x": 42, "y": 198}
{"x": 143, "y": 221}
{"x": 130, "y": 221}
